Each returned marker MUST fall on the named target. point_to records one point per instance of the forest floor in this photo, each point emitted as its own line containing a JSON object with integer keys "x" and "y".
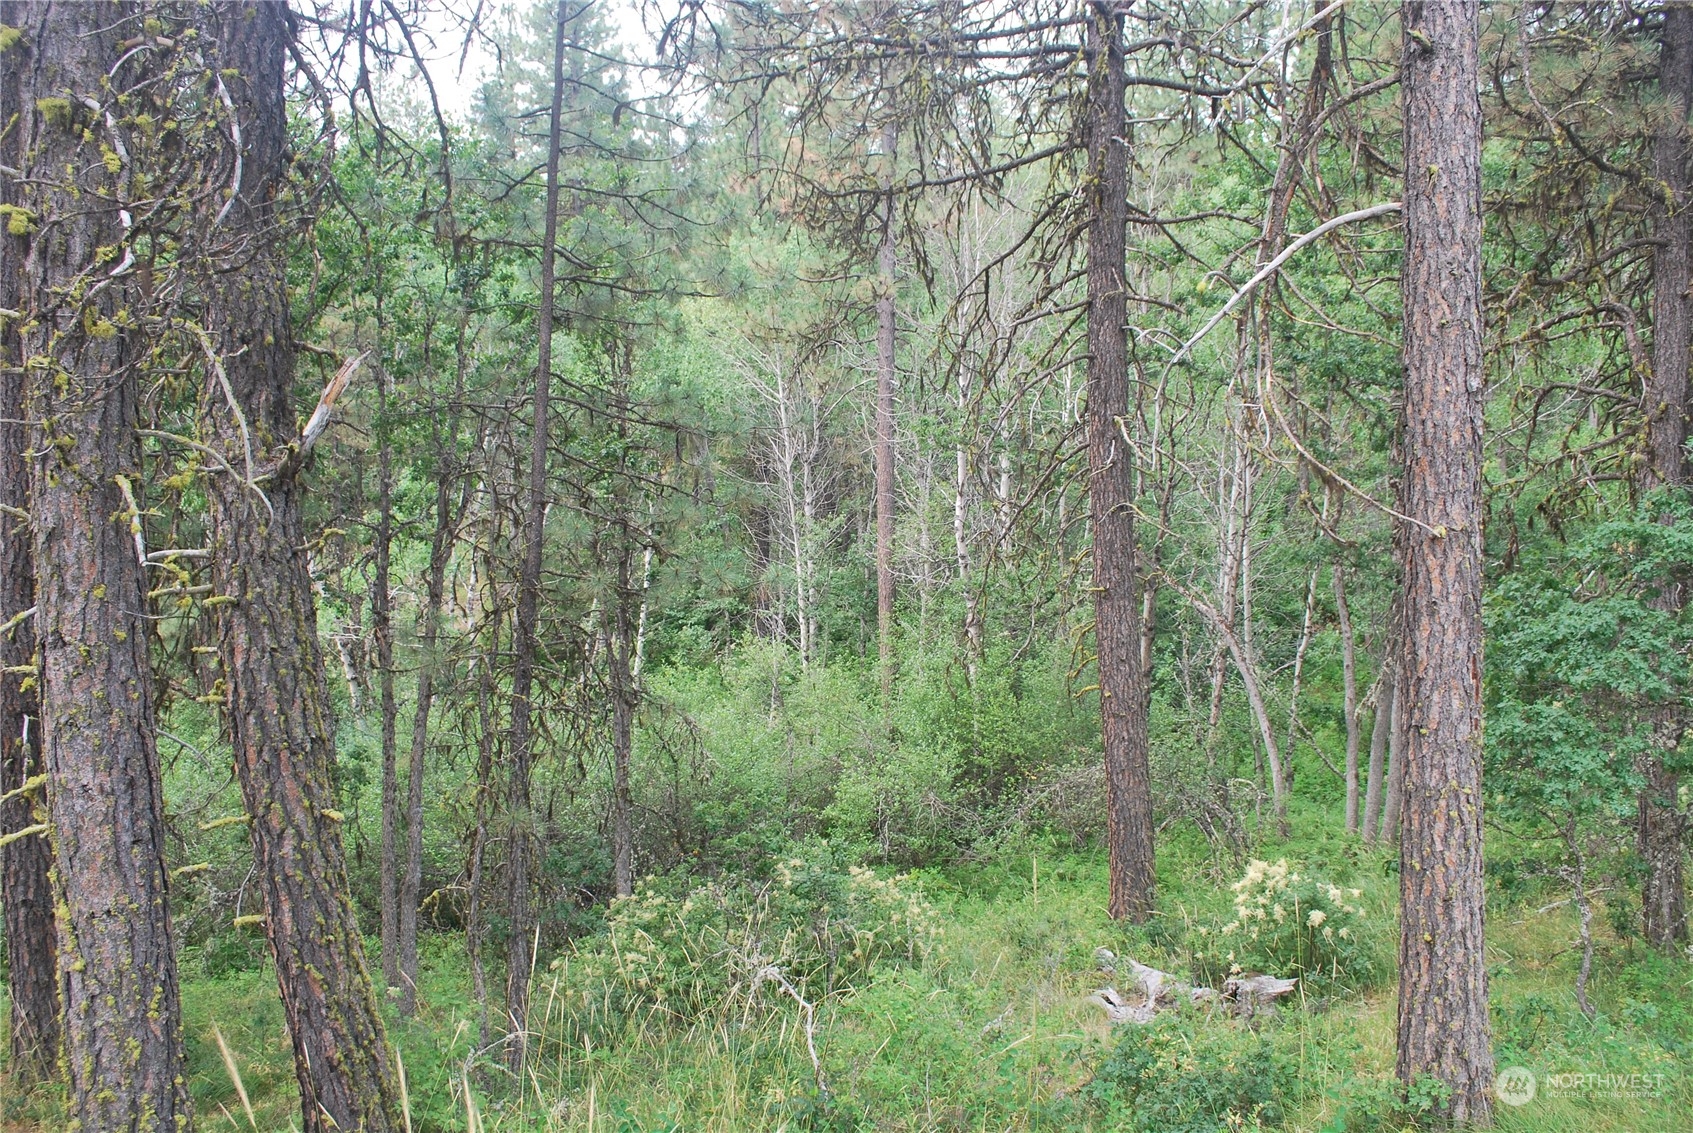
{"x": 993, "y": 1031}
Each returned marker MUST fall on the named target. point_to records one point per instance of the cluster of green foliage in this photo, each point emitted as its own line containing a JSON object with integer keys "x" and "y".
{"x": 724, "y": 949}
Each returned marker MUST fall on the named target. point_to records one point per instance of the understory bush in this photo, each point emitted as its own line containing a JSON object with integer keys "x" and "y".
{"x": 1184, "y": 1073}
{"x": 813, "y": 930}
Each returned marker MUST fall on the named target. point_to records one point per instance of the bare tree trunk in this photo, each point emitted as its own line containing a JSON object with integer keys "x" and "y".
{"x": 1306, "y": 627}
{"x": 1111, "y": 479}
{"x": 1661, "y": 824}
{"x": 961, "y": 552}
{"x": 1443, "y": 1028}
{"x": 26, "y": 892}
{"x": 1231, "y": 554}
{"x": 885, "y": 333}
{"x": 1260, "y": 711}
{"x": 117, "y": 963}
{"x": 1392, "y": 805}
{"x": 519, "y": 910}
{"x": 1379, "y": 732}
{"x": 278, "y": 703}
{"x": 1349, "y": 682}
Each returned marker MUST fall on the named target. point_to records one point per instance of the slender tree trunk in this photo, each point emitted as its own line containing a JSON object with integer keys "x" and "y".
{"x": 1307, "y": 626}
{"x": 1443, "y": 1027}
{"x": 117, "y": 963}
{"x": 26, "y": 892}
{"x": 1395, "y": 799}
{"x": 1661, "y": 825}
{"x": 1380, "y": 729}
{"x": 382, "y": 641}
{"x": 619, "y": 656}
{"x": 429, "y": 635}
{"x": 885, "y": 332}
{"x": 486, "y": 738}
{"x": 519, "y": 910}
{"x": 1111, "y": 478}
{"x": 278, "y": 703}
{"x": 1260, "y": 711}
{"x": 1349, "y": 684}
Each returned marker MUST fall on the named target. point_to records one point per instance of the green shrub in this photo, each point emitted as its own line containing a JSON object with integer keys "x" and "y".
{"x": 1173, "y": 1076}
{"x": 723, "y": 948}
{"x": 1288, "y": 924}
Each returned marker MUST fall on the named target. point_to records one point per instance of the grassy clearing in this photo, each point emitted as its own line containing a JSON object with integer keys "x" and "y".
{"x": 992, "y": 1030}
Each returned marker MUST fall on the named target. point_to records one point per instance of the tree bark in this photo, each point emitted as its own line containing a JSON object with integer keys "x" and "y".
{"x": 1442, "y": 1015}
{"x": 885, "y": 337}
{"x": 519, "y": 911}
{"x": 117, "y": 963}
{"x": 277, "y": 692}
{"x": 1661, "y": 824}
{"x": 1111, "y": 479}
{"x": 25, "y": 886}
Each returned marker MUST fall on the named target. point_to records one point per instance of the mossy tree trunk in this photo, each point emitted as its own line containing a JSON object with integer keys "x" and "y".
{"x": 116, "y": 960}
{"x": 277, "y": 700}
{"x": 25, "y": 887}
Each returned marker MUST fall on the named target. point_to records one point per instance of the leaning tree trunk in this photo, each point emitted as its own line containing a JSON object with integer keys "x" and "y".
{"x": 1111, "y": 479}
{"x": 520, "y": 914}
{"x": 117, "y": 963}
{"x": 1661, "y": 824}
{"x": 277, "y": 696}
{"x": 1442, "y": 1018}
{"x": 25, "y": 888}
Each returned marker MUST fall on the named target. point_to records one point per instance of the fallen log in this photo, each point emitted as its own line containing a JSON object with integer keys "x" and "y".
{"x": 1248, "y": 994}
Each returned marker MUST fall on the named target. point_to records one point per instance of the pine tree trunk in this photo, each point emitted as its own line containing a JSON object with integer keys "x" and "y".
{"x": 1443, "y": 1028}
{"x": 1111, "y": 479}
{"x": 277, "y": 693}
{"x": 519, "y": 910}
{"x": 1661, "y": 826}
{"x": 26, "y": 892}
{"x": 117, "y": 963}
